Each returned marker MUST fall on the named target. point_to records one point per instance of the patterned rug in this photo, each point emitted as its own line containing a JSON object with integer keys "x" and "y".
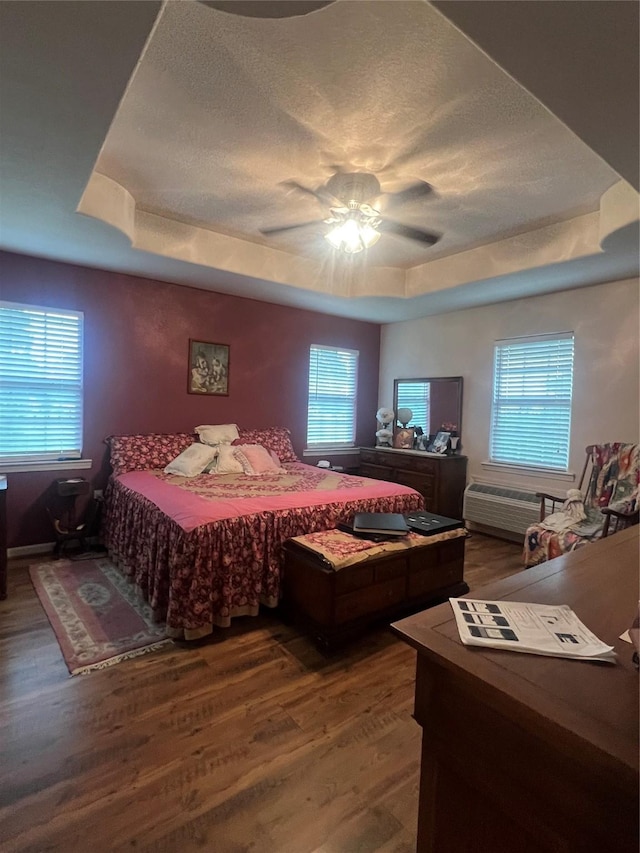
{"x": 98, "y": 617}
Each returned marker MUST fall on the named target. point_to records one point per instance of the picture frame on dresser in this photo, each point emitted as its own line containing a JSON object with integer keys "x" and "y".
{"x": 403, "y": 438}
{"x": 440, "y": 443}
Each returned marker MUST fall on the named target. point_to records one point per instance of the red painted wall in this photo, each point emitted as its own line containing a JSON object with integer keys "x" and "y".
{"x": 136, "y": 363}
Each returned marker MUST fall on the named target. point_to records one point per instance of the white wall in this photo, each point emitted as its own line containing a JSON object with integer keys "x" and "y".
{"x": 606, "y": 407}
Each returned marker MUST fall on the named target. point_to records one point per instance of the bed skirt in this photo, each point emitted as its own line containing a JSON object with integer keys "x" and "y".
{"x": 195, "y": 580}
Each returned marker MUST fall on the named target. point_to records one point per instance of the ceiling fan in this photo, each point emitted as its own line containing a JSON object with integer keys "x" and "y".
{"x": 354, "y": 219}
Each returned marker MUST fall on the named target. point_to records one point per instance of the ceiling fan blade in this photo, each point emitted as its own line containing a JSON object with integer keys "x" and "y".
{"x": 321, "y": 194}
{"x": 392, "y": 227}
{"x": 279, "y": 229}
{"x": 420, "y": 190}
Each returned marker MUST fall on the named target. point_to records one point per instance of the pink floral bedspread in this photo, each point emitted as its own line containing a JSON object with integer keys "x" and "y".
{"x": 206, "y": 549}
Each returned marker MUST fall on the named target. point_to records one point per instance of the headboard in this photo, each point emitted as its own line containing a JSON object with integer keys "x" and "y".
{"x": 155, "y": 450}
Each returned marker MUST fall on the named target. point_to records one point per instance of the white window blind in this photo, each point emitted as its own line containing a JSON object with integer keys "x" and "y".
{"x": 333, "y": 386}
{"x": 40, "y": 382}
{"x": 531, "y": 412}
{"x": 414, "y": 395}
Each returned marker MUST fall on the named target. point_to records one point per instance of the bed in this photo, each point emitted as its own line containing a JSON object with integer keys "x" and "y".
{"x": 206, "y": 549}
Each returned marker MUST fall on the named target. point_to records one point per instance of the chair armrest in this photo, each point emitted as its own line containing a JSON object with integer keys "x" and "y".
{"x": 629, "y": 518}
{"x": 546, "y": 496}
{"x": 554, "y": 499}
{"x": 607, "y": 510}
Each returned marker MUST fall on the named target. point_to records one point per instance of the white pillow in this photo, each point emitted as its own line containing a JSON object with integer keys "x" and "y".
{"x": 217, "y": 433}
{"x": 192, "y": 461}
{"x": 211, "y": 467}
{"x": 227, "y": 462}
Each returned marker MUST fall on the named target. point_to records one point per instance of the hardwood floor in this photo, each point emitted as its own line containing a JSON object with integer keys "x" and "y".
{"x": 251, "y": 741}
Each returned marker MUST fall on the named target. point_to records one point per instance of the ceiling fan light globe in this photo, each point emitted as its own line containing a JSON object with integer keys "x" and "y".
{"x": 352, "y": 236}
{"x": 334, "y": 236}
{"x": 345, "y": 237}
{"x": 369, "y": 235}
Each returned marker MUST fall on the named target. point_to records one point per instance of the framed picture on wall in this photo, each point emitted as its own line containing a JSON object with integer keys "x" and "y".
{"x": 403, "y": 438}
{"x": 208, "y": 368}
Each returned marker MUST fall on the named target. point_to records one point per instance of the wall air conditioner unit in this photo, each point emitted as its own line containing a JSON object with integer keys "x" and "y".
{"x": 500, "y": 507}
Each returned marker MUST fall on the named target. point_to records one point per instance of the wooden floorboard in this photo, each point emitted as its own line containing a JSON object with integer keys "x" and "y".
{"x": 251, "y": 741}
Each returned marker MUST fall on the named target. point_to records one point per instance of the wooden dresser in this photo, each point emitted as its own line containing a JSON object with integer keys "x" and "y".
{"x": 531, "y": 753}
{"x": 439, "y": 479}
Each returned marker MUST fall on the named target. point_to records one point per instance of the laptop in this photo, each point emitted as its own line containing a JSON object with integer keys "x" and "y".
{"x": 428, "y": 523}
{"x": 381, "y": 523}
{"x": 372, "y": 537}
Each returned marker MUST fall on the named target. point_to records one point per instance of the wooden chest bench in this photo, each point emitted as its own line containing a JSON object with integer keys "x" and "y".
{"x": 336, "y": 584}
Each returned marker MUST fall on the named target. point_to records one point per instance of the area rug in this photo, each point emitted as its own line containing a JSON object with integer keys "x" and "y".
{"x": 98, "y": 617}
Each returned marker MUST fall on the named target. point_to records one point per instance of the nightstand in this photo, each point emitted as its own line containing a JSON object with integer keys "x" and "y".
{"x": 63, "y": 513}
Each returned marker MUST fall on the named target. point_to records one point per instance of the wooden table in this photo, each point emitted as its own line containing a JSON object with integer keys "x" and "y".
{"x": 529, "y": 753}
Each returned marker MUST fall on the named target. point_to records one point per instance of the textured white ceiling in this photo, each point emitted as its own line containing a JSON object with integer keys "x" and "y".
{"x": 223, "y": 109}
{"x": 239, "y": 104}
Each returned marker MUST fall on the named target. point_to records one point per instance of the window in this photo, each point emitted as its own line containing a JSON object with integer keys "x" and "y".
{"x": 333, "y": 385}
{"x": 414, "y": 395}
{"x": 531, "y": 412}
{"x": 40, "y": 383}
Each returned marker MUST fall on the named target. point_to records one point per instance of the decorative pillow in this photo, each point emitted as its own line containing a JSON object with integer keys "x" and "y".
{"x": 192, "y": 461}
{"x": 217, "y": 434}
{"x": 227, "y": 462}
{"x": 274, "y": 456}
{"x": 277, "y": 439}
{"x": 143, "y": 451}
{"x": 211, "y": 467}
{"x": 255, "y": 459}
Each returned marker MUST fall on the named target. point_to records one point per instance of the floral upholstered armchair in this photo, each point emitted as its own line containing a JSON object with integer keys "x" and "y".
{"x": 608, "y": 503}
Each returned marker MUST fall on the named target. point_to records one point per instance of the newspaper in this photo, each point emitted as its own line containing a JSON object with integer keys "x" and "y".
{"x": 538, "y": 629}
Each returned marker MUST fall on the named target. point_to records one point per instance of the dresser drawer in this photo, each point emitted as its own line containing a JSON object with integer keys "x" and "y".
{"x": 425, "y": 465}
{"x": 356, "y": 578}
{"x": 381, "y": 457}
{"x": 431, "y": 569}
{"x": 429, "y": 580}
{"x": 371, "y": 600}
{"x": 391, "y": 568}
{"x": 420, "y": 482}
{"x": 401, "y": 461}
{"x": 377, "y": 472}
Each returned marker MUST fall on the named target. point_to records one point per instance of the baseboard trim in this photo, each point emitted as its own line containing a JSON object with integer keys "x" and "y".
{"x": 28, "y": 550}
{"x": 40, "y": 548}
{"x": 494, "y": 531}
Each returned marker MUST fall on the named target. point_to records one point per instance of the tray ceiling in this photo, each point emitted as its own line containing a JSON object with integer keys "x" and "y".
{"x": 222, "y": 109}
